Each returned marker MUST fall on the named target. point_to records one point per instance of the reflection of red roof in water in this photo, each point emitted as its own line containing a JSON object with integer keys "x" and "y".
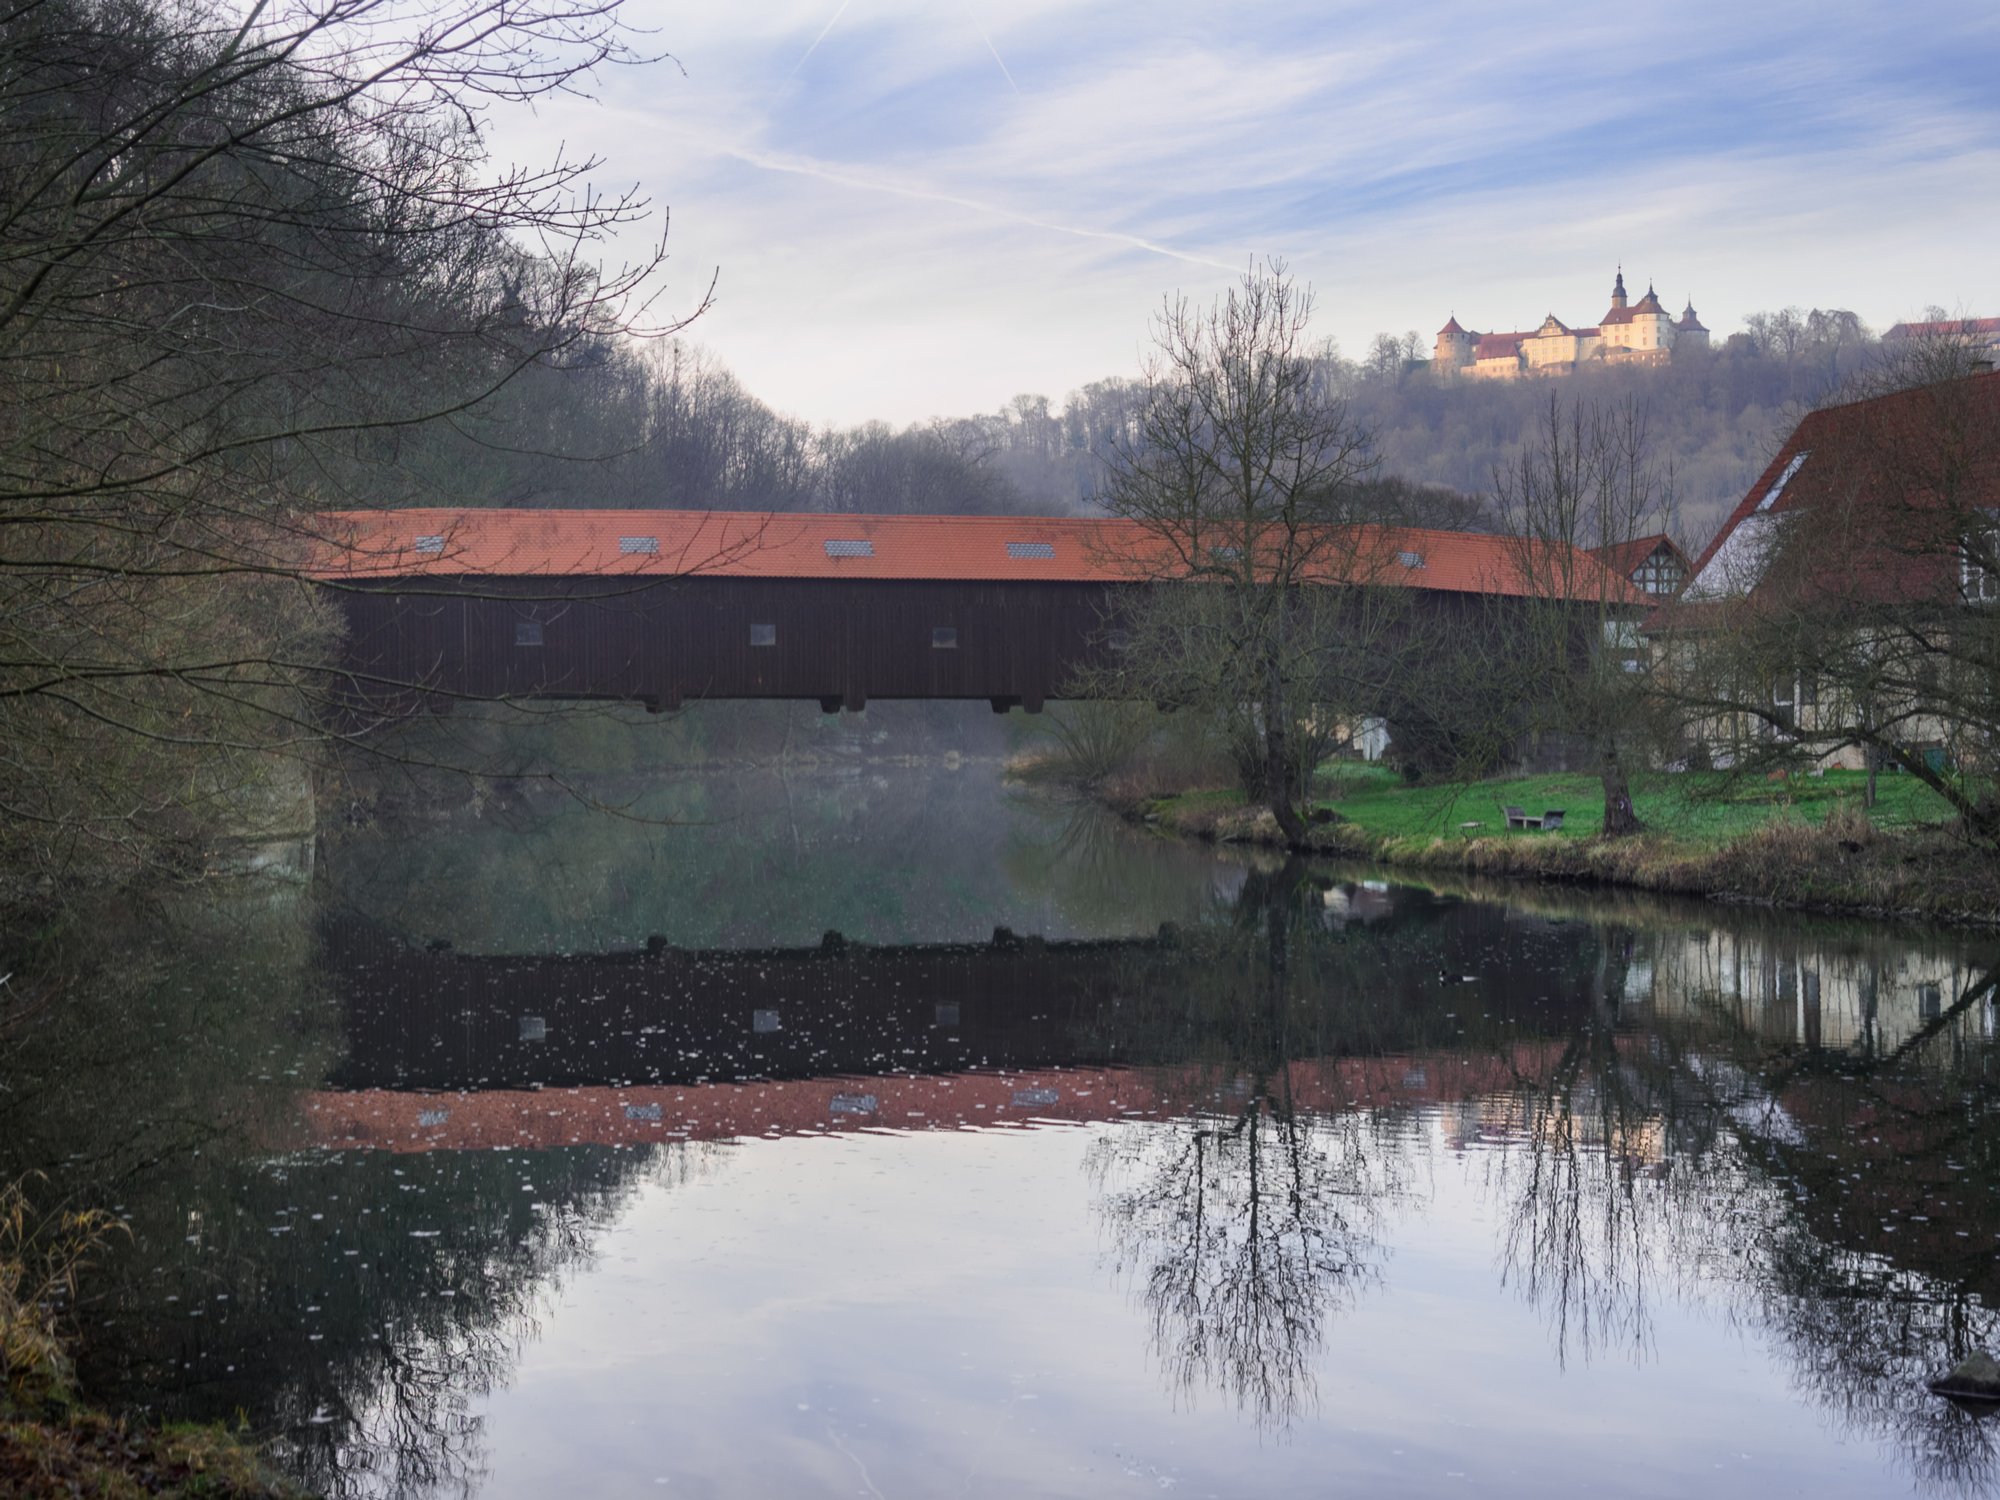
{"x": 543, "y": 1118}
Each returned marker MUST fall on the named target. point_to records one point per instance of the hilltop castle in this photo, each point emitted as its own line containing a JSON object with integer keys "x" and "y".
{"x": 1642, "y": 333}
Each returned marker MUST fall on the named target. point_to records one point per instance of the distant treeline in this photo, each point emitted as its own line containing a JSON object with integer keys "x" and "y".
{"x": 670, "y": 426}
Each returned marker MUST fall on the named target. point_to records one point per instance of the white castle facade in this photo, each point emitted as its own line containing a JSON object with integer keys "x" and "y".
{"x": 1641, "y": 333}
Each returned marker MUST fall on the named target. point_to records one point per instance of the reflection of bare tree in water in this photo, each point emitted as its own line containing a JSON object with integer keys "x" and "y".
{"x": 1864, "y": 1339}
{"x": 1246, "y": 1234}
{"x": 1249, "y": 1224}
{"x": 397, "y": 1416}
{"x": 1677, "y": 1157}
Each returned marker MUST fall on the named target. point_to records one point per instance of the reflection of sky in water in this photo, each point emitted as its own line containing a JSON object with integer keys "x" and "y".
{"x": 997, "y": 1352}
{"x": 982, "y": 1311}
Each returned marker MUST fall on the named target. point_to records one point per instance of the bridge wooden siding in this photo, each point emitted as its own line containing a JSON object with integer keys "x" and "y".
{"x": 661, "y": 642}
{"x": 661, "y": 607}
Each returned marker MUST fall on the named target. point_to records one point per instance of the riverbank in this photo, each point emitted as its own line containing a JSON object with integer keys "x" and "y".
{"x": 89, "y": 1453}
{"x": 1805, "y": 844}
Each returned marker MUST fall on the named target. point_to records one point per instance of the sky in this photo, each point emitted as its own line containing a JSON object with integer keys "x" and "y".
{"x": 916, "y": 208}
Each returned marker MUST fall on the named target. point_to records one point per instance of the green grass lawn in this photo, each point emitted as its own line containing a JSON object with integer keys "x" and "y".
{"x": 1702, "y": 808}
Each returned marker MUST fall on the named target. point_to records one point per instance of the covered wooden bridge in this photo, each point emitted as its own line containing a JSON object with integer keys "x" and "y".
{"x": 662, "y": 607}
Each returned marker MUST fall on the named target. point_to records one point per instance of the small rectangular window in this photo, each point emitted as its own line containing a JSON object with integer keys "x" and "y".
{"x": 849, "y": 547}
{"x": 852, "y": 1104}
{"x": 430, "y": 544}
{"x": 644, "y": 1114}
{"x": 944, "y": 637}
{"x": 763, "y": 1021}
{"x": 1023, "y": 550}
{"x": 763, "y": 635}
{"x": 431, "y": 1119}
{"x": 534, "y": 1029}
{"x": 1226, "y": 554}
{"x": 631, "y": 546}
{"x": 947, "y": 1013}
{"x": 527, "y": 632}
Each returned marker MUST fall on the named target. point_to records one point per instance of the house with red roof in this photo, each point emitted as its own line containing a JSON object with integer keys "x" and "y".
{"x": 1979, "y": 336}
{"x": 1641, "y": 332}
{"x": 1849, "y": 606}
{"x": 1653, "y": 564}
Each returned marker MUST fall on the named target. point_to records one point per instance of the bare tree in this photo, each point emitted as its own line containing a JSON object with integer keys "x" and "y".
{"x": 246, "y": 260}
{"x": 1854, "y": 611}
{"x": 1571, "y": 647}
{"x": 1243, "y": 472}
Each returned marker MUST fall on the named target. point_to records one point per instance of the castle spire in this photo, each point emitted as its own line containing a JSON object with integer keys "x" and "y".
{"x": 1618, "y": 289}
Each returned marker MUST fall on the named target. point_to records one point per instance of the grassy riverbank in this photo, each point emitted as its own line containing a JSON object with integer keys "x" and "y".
{"x": 1805, "y": 842}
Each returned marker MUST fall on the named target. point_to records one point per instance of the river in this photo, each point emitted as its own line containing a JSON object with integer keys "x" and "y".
{"x": 879, "y": 1130}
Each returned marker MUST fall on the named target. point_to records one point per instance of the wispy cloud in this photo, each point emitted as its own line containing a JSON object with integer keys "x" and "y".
{"x": 921, "y": 207}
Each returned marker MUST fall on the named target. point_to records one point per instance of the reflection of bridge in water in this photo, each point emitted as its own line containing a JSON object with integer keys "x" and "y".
{"x": 633, "y": 1115}
{"x": 447, "y": 1049}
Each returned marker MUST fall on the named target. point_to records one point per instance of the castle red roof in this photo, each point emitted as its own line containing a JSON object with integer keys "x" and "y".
{"x": 1450, "y": 328}
{"x": 1500, "y": 345}
{"x": 369, "y": 545}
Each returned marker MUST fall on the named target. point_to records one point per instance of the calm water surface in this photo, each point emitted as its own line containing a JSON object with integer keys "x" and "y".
{"x": 883, "y": 1134}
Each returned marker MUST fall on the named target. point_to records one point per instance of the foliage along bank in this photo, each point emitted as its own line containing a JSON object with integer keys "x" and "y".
{"x": 1790, "y": 854}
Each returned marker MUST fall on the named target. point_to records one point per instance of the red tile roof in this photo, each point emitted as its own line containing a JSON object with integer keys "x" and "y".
{"x": 362, "y": 545}
{"x": 1624, "y": 558}
{"x": 1451, "y": 327}
{"x": 1875, "y": 473}
{"x": 1948, "y": 327}
{"x": 1500, "y": 345}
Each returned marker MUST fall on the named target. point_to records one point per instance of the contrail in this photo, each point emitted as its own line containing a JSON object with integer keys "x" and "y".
{"x": 843, "y": 179}
{"x": 973, "y": 17}
{"x": 839, "y": 11}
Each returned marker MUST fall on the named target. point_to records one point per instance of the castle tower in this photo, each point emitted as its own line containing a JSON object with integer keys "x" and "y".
{"x": 1689, "y": 329}
{"x": 1453, "y": 350}
{"x": 1618, "y": 290}
{"x": 1652, "y": 325}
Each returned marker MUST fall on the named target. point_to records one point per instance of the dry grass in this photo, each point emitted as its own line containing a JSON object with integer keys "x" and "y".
{"x": 51, "y": 1445}
{"x": 40, "y": 1256}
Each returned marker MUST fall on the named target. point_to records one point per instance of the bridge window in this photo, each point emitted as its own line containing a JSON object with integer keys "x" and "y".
{"x": 763, "y": 635}
{"x": 527, "y": 632}
{"x": 947, "y": 1013}
{"x": 763, "y": 1021}
{"x": 629, "y": 546}
{"x": 852, "y": 547}
{"x": 534, "y": 1029}
{"x": 431, "y": 545}
{"x": 944, "y": 637}
{"x": 1410, "y": 559}
{"x": 1031, "y": 549}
